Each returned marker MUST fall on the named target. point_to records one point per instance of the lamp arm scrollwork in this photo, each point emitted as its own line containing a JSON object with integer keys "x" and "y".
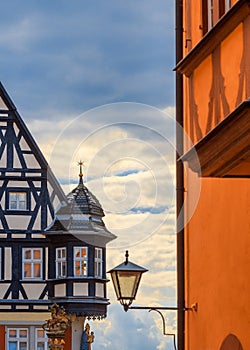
{"x": 193, "y": 308}
{"x": 164, "y": 327}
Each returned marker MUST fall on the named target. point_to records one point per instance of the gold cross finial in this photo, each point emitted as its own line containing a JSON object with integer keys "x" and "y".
{"x": 80, "y": 163}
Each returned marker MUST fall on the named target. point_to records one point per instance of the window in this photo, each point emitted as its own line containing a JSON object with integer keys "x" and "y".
{"x": 26, "y": 338}
{"x": 41, "y": 340}
{"x": 18, "y": 200}
{"x": 17, "y": 339}
{"x": 61, "y": 262}
{"x": 32, "y": 263}
{"x": 212, "y": 11}
{"x": 80, "y": 261}
{"x": 98, "y": 262}
{"x": 207, "y": 15}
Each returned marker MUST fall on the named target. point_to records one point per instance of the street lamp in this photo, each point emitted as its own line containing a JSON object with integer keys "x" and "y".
{"x": 126, "y": 278}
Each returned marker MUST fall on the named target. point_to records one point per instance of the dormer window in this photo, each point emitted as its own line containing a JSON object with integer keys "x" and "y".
{"x": 32, "y": 263}
{"x": 80, "y": 261}
{"x": 17, "y": 200}
{"x": 61, "y": 262}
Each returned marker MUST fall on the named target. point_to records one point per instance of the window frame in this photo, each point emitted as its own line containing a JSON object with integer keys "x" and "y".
{"x": 61, "y": 262}
{"x": 32, "y": 261}
{"x": 18, "y": 201}
{"x": 17, "y": 339}
{"x": 98, "y": 263}
{"x": 82, "y": 260}
{"x": 43, "y": 339}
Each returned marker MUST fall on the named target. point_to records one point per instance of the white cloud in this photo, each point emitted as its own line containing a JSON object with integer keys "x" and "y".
{"x": 58, "y": 59}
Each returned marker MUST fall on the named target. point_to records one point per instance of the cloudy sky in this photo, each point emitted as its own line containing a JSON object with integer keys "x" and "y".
{"x": 93, "y": 80}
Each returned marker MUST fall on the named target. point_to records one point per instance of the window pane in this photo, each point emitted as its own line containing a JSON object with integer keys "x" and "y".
{"x": 58, "y": 253}
{"x": 12, "y": 333}
{"x": 77, "y": 267}
{"x": 13, "y": 196}
{"x": 27, "y": 254}
{"x": 22, "y": 196}
{"x": 40, "y": 346}
{"x": 13, "y": 205}
{"x": 23, "y": 346}
{"x": 83, "y": 267}
{"x": 63, "y": 269}
{"x": 12, "y": 345}
{"x": 63, "y": 253}
{"x": 22, "y": 205}
{"x": 59, "y": 270}
{"x": 37, "y": 270}
{"x": 37, "y": 254}
{"x": 77, "y": 252}
{"x": 27, "y": 270}
{"x": 23, "y": 333}
{"x": 84, "y": 252}
{"x": 40, "y": 333}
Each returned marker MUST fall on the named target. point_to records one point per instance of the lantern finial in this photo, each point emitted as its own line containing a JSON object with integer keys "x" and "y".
{"x": 126, "y": 256}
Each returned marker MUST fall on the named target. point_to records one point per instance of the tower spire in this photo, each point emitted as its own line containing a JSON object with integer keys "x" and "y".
{"x": 80, "y": 163}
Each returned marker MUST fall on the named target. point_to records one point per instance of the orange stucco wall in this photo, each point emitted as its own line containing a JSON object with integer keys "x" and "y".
{"x": 192, "y": 23}
{"x": 217, "y": 238}
{"x": 218, "y": 264}
{"x": 68, "y": 340}
{"x": 204, "y": 88}
{"x": 221, "y": 78}
{"x": 230, "y": 64}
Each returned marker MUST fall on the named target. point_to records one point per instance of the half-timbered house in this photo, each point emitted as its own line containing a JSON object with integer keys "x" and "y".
{"x": 52, "y": 246}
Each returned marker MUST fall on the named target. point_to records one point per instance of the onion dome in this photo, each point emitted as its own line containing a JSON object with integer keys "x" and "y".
{"x": 82, "y": 216}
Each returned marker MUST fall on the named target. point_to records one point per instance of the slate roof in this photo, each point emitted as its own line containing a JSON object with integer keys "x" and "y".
{"x": 82, "y": 217}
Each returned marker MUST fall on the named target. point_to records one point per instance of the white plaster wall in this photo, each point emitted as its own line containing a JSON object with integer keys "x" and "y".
{"x": 34, "y": 291}
{"x": 99, "y": 290}
{"x": 80, "y": 289}
{"x": 3, "y": 289}
{"x": 60, "y": 290}
{"x": 77, "y": 329}
{"x": 8, "y": 263}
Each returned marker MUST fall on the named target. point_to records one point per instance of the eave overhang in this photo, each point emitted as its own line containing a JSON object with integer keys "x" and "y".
{"x": 214, "y": 37}
{"x": 91, "y": 307}
{"x": 98, "y": 238}
{"x": 225, "y": 150}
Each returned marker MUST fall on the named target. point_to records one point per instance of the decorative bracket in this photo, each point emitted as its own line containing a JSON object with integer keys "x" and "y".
{"x": 192, "y": 308}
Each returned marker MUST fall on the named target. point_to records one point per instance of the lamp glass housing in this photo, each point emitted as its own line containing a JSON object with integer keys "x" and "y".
{"x": 126, "y": 279}
{"x": 126, "y": 284}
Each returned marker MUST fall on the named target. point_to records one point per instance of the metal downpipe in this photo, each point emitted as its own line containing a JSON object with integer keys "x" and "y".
{"x": 180, "y": 180}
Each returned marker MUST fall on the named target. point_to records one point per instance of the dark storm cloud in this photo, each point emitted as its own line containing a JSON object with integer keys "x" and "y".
{"x": 69, "y": 56}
